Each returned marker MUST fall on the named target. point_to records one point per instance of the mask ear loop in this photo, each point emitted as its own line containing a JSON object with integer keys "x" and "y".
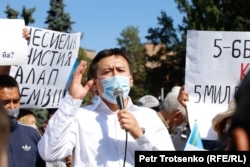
{"x": 94, "y": 90}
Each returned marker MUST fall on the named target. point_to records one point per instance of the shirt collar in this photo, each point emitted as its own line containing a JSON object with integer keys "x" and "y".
{"x": 102, "y": 105}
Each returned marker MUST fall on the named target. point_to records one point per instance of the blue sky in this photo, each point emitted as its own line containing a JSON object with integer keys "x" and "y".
{"x": 102, "y": 22}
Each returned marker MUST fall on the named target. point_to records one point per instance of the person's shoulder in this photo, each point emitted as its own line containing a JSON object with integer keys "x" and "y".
{"x": 28, "y": 129}
{"x": 22, "y": 125}
{"x": 142, "y": 109}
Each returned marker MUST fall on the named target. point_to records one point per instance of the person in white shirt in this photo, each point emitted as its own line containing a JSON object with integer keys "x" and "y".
{"x": 102, "y": 134}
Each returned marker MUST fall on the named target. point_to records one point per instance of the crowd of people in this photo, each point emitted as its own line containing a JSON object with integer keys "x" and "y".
{"x": 106, "y": 133}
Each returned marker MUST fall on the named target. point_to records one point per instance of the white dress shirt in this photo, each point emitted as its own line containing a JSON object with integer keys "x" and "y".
{"x": 95, "y": 134}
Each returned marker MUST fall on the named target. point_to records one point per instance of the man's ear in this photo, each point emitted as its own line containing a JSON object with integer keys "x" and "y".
{"x": 179, "y": 118}
{"x": 241, "y": 139}
{"x": 131, "y": 81}
{"x": 93, "y": 89}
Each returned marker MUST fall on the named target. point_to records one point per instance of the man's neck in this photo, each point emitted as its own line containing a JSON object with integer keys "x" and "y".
{"x": 115, "y": 107}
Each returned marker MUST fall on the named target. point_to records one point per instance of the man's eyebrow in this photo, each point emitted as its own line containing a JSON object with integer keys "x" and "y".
{"x": 120, "y": 65}
{"x": 107, "y": 68}
{"x": 5, "y": 101}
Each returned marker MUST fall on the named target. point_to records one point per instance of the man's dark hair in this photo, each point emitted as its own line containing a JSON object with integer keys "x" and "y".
{"x": 8, "y": 81}
{"x": 241, "y": 116}
{"x": 106, "y": 53}
{"x": 24, "y": 112}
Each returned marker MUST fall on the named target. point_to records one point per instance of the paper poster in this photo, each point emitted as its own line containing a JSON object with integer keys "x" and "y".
{"x": 216, "y": 62}
{"x": 14, "y": 48}
{"x": 50, "y": 59}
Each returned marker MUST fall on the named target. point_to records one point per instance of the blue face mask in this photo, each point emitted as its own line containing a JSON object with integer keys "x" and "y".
{"x": 13, "y": 112}
{"x": 94, "y": 99}
{"x": 110, "y": 84}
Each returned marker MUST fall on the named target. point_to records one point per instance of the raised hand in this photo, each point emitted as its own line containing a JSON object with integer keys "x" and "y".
{"x": 183, "y": 96}
{"x": 76, "y": 89}
{"x": 26, "y": 33}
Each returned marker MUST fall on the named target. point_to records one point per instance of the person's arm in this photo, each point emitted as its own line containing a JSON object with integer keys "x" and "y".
{"x": 156, "y": 135}
{"x": 58, "y": 140}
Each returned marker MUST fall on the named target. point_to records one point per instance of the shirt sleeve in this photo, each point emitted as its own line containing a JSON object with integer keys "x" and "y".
{"x": 147, "y": 143}
{"x": 156, "y": 136}
{"x": 144, "y": 143}
{"x": 59, "y": 138}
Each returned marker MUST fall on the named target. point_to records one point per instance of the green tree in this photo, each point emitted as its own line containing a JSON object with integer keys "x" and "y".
{"x": 57, "y": 19}
{"x": 165, "y": 33}
{"x": 219, "y": 15}
{"x": 130, "y": 42}
{"x": 171, "y": 71}
{"x": 27, "y": 15}
{"x": 11, "y": 13}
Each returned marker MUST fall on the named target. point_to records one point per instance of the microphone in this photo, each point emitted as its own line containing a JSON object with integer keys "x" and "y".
{"x": 118, "y": 93}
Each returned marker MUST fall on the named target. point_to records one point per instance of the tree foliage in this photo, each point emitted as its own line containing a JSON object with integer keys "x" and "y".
{"x": 57, "y": 19}
{"x": 131, "y": 43}
{"x": 11, "y": 13}
{"x": 26, "y": 14}
{"x": 219, "y": 15}
{"x": 165, "y": 33}
{"x": 170, "y": 71}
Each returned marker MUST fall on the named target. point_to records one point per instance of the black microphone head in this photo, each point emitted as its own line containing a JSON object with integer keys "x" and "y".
{"x": 118, "y": 92}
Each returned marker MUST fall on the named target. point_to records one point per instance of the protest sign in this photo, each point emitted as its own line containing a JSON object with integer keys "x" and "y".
{"x": 216, "y": 61}
{"x": 14, "y": 48}
{"x": 44, "y": 78}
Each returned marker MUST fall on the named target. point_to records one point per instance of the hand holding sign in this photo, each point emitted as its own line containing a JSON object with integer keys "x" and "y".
{"x": 26, "y": 33}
